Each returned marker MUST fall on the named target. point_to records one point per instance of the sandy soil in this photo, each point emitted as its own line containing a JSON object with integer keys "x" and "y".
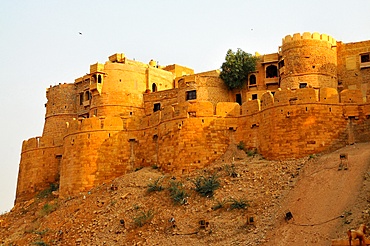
{"x": 324, "y": 203}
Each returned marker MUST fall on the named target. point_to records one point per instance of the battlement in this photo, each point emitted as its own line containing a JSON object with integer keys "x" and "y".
{"x": 95, "y": 124}
{"x": 268, "y": 100}
{"x": 40, "y": 142}
{"x": 308, "y": 36}
{"x": 59, "y": 86}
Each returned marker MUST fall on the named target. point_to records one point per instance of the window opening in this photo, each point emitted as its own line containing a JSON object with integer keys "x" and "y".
{"x": 238, "y": 99}
{"x": 302, "y": 85}
{"x": 157, "y": 107}
{"x": 81, "y": 98}
{"x": 191, "y": 95}
{"x": 99, "y": 79}
{"x": 365, "y": 58}
{"x": 254, "y": 96}
{"x": 252, "y": 80}
{"x": 154, "y": 87}
{"x": 271, "y": 71}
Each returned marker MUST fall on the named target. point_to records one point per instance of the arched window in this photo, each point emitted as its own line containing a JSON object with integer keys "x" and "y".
{"x": 154, "y": 87}
{"x": 271, "y": 71}
{"x": 99, "y": 79}
{"x": 252, "y": 80}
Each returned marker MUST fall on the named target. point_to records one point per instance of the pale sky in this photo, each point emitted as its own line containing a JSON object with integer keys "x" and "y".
{"x": 41, "y": 46}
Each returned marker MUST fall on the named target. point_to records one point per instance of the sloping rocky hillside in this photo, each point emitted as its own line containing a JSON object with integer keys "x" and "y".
{"x": 248, "y": 208}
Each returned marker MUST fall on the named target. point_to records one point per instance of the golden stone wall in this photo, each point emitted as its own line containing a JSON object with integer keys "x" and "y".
{"x": 309, "y": 58}
{"x": 352, "y": 74}
{"x": 115, "y": 120}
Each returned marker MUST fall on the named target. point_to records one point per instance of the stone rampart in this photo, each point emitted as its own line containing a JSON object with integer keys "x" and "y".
{"x": 186, "y": 136}
{"x": 39, "y": 166}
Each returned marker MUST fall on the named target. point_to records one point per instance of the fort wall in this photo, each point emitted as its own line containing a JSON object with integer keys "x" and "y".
{"x": 352, "y": 73}
{"x": 186, "y": 136}
{"x": 39, "y": 166}
{"x": 125, "y": 115}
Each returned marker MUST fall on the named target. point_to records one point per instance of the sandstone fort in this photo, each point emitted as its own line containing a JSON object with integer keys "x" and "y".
{"x": 312, "y": 96}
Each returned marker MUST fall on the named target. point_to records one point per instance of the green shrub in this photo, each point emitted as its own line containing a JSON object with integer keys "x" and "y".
{"x": 219, "y": 204}
{"x": 177, "y": 192}
{"x": 230, "y": 170}
{"x": 143, "y": 217}
{"x": 47, "y": 192}
{"x": 238, "y": 204}
{"x": 251, "y": 152}
{"x": 241, "y": 145}
{"x": 41, "y": 243}
{"x": 155, "y": 186}
{"x": 206, "y": 186}
{"x": 312, "y": 156}
{"x": 47, "y": 209}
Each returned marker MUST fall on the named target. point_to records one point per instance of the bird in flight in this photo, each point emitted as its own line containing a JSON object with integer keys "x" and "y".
{"x": 80, "y": 33}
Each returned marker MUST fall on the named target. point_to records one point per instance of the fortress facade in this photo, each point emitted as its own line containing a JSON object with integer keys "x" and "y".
{"x": 312, "y": 96}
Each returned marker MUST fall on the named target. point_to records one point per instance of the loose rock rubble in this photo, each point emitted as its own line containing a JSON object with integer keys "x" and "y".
{"x": 124, "y": 212}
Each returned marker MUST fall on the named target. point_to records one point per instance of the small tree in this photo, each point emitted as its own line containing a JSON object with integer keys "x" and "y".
{"x": 236, "y": 68}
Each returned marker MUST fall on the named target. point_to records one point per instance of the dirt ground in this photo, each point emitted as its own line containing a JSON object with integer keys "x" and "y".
{"x": 324, "y": 203}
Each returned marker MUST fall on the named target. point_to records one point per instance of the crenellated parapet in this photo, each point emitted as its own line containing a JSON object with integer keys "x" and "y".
{"x": 39, "y": 142}
{"x": 108, "y": 123}
{"x": 310, "y": 36}
{"x": 308, "y": 60}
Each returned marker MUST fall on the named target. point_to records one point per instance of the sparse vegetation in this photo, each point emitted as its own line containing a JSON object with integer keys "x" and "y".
{"x": 241, "y": 145}
{"x": 206, "y": 186}
{"x": 177, "y": 192}
{"x": 238, "y": 204}
{"x": 251, "y": 152}
{"x": 138, "y": 169}
{"x": 155, "y": 186}
{"x": 41, "y": 243}
{"x": 48, "y": 191}
{"x": 47, "y": 209}
{"x": 230, "y": 170}
{"x": 219, "y": 204}
{"x": 143, "y": 217}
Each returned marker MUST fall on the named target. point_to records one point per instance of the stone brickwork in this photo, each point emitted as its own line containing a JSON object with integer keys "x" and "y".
{"x": 309, "y": 58}
{"x": 126, "y": 115}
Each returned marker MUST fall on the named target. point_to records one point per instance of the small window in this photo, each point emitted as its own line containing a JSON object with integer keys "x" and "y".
{"x": 81, "y": 98}
{"x": 87, "y": 96}
{"x": 271, "y": 71}
{"x": 99, "y": 79}
{"x": 154, "y": 87}
{"x": 157, "y": 107}
{"x": 365, "y": 58}
{"x": 254, "y": 96}
{"x": 238, "y": 99}
{"x": 252, "y": 80}
{"x": 302, "y": 85}
{"x": 191, "y": 95}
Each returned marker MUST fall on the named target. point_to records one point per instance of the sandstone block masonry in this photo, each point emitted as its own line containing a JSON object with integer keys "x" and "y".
{"x": 309, "y": 97}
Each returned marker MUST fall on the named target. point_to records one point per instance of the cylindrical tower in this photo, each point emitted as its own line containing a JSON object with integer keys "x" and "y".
{"x": 308, "y": 60}
{"x": 60, "y": 108}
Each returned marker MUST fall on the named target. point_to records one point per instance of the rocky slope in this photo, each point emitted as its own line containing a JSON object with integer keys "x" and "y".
{"x": 248, "y": 208}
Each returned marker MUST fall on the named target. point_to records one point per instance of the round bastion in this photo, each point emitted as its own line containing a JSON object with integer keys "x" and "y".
{"x": 308, "y": 60}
